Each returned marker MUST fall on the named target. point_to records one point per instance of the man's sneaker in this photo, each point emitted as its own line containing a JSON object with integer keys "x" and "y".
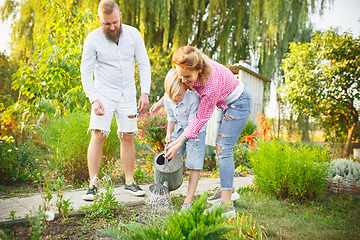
{"x": 134, "y": 189}
{"x": 229, "y": 212}
{"x": 91, "y": 193}
{"x": 217, "y": 195}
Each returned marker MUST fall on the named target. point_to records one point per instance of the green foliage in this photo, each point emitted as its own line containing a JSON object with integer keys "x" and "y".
{"x": 245, "y": 226}
{"x": 36, "y": 222}
{"x": 51, "y": 82}
{"x": 241, "y": 155}
{"x": 103, "y": 205}
{"x": 63, "y": 206}
{"x": 152, "y": 130}
{"x": 68, "y": 143}
{"x": 297, "y": 172}
{"x": 322, "y": 81}
{"x": 19, "y": 165}
{"x": 191, "y": 224}
{"x": 345, "y": 168}
{"x": 226, "y": 31}
{"x": 249, "y": 128}
{"x": 160, "y": 62}
{"x": 7, "y": 68}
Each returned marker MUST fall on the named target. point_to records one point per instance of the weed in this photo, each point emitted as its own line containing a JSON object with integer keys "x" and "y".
{"x": 104, "y": 205}
{"x": 63, "y": 206}
{"x": 36, "y": 222}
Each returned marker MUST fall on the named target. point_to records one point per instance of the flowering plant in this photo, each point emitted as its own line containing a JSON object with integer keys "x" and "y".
{"x": 263, "y": 132}
{"x": 152, "y": 129}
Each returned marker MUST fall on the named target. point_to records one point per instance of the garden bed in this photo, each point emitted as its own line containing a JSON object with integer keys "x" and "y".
{"x": 350, "y": 187}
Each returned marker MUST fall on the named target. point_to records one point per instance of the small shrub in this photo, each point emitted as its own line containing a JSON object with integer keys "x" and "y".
{"x": 241, "y": 152}
{"x": 345, "y": 168}
{"x": 19, "y": 165}
{"x": 68, "y": 142}
{"x": 297, "y": 172}
{"x": 191, "y": 224}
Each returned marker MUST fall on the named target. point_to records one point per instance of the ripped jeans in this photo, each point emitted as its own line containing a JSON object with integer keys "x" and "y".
{"x": 231, "y": 123}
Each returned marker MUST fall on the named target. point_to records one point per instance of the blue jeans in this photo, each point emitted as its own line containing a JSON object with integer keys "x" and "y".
{"x": 194, "y": 148}
{"x": 231, "y": 123}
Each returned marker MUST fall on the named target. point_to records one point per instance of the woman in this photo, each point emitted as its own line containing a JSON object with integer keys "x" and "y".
{"x": 217, "y": 87}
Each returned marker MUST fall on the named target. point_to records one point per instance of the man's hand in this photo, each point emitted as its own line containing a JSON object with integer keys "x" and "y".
{"x": 143, "y": 102}
{"x": 98, "y": 108}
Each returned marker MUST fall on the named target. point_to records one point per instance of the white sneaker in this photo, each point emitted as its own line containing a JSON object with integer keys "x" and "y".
{"x": 229, "y": 212}
{"x": 217, "y": 196}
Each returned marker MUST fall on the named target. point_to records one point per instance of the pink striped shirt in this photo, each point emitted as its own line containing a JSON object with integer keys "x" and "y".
{"x": 219, "y": 84}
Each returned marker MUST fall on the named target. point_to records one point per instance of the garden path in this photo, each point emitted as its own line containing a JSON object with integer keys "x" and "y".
{"x": 23, "y": 205}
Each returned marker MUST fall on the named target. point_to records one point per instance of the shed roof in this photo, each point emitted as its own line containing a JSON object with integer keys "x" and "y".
{"x": 236, "y": 68}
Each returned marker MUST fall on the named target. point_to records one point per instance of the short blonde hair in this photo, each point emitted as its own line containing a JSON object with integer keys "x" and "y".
{"x": 191, "y": 58}
{"x": 107, "y": 7}
{"x": 173, "y": 84}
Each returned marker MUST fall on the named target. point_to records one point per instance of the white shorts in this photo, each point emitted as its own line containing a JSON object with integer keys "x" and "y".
{"x": 125, "y": 113}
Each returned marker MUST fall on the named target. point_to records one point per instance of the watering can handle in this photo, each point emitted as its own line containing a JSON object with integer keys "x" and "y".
{"x": 166, "y": 166}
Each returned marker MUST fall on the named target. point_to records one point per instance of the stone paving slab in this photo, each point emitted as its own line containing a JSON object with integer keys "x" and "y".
{"x": 23, "y": 205}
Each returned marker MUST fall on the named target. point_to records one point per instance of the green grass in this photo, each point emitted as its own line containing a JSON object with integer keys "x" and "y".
{"x": 329, "y": 217}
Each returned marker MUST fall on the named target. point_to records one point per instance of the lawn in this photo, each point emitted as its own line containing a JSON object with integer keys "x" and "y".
{"x": 328, "y": 217}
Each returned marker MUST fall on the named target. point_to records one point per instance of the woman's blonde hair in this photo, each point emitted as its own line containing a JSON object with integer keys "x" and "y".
{"x": 173, "y": 84}
{"x": 191, "y": 58}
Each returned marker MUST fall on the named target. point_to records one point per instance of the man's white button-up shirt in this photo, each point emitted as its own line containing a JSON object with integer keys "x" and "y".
{"x": 114, "y": 65}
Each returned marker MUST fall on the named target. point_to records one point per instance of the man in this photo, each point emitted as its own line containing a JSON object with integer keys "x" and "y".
{"x": 110, "y": 53}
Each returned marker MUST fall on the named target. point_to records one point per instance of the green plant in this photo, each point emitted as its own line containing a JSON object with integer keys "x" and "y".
{"x": 297, "y": 172}
{"x": 105, "y": 204}
{"x": 36, "y": 221}
{"x": 345, "y": 168}
{"x": 240, "y": 153}
{"x": 152, "y": 130}
{"x": 141, "y": 175}
{"x": 50, "y": 81}
{"x": 249, "y": 128}
{"x": 19, "y": 165}
{"x": 191, "y": 224}
{"x": 63, "y": 206}
{"x": 68, "y": 142}
{"x": 47, "y": 194}
{"x": 245, "y": 228}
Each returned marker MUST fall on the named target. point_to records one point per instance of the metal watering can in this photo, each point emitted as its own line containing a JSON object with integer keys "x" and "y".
{"x": 167, "y": 174}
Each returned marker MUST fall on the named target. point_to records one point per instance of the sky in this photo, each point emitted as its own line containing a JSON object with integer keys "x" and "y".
{"x": 344, "y": 14}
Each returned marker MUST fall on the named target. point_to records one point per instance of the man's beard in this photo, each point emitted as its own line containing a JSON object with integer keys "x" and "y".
{"x": 112, "y": 36}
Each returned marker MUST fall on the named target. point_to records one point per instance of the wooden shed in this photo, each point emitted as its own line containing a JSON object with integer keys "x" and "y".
{"x": 255, "y": 82}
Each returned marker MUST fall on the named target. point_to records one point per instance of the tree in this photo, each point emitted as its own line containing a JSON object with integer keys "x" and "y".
{"x": 227, "y": 31}
{"x": 7, "y": 68}
{"x": 322, "y": 79}
{"x": 51, "y": 82}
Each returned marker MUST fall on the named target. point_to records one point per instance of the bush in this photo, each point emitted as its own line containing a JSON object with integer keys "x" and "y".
{"x": 68, "y": 142}
{"x": 241, "y": 155}
{"x": 19, "y": 165}
{"x": 345, "y": 168}
{"x": 152, "y": 130}
{"x": 191, "y": 224}
{"x": 297, "y": 172}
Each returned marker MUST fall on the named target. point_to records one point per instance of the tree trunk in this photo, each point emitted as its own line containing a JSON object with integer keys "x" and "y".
{"x": 348, "y": 146}
{"x": 278, "y": 133}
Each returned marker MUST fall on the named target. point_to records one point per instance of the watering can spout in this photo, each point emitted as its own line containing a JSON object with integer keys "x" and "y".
{"x": 166, "y": 184}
